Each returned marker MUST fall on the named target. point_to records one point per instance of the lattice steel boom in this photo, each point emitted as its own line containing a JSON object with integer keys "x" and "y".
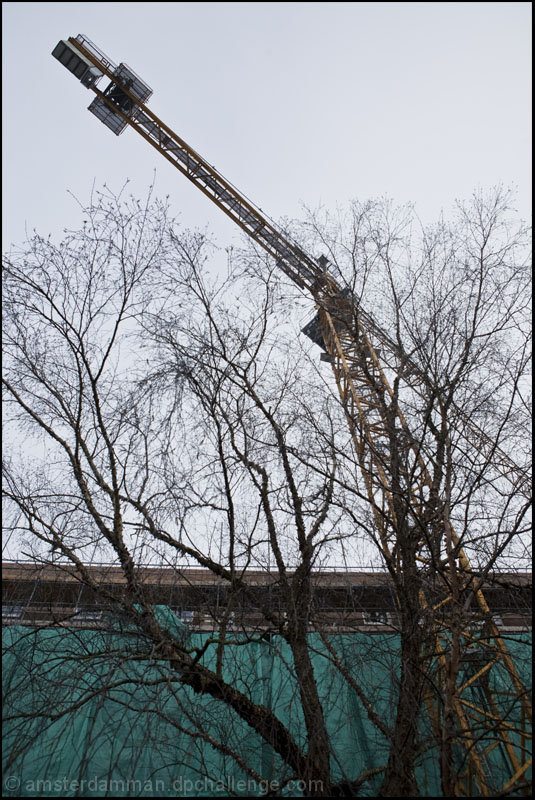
{"x": 360, "y": 354}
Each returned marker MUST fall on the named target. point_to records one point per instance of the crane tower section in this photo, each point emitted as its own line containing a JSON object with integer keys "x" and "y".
{"x": 360, "y": 354}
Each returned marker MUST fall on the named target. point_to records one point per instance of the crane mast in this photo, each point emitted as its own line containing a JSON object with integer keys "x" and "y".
{"x": 359, "y": 353}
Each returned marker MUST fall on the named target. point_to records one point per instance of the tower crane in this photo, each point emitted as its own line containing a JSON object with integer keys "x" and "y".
{"x": 361, "y": 355}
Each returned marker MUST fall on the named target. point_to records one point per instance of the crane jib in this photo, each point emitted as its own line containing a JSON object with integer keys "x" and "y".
{"x": 82, "y": 57}
{"x": 350, "y": 338}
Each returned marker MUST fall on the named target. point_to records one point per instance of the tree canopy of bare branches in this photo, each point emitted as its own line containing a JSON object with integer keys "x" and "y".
{"x": 163, "y": 409}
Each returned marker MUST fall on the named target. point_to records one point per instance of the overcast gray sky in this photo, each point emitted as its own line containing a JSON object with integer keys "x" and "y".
{"x": 312, "y": 103}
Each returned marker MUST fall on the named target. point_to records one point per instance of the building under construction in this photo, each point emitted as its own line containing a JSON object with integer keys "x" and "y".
{"x": 345, "y": 601}
{"x": 138, "y": 734}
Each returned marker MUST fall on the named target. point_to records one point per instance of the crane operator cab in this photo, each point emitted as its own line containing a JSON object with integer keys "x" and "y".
{"x": 78, "y": 56}
{"x": 119, "y": 98}
{"x": 123, "y": 78}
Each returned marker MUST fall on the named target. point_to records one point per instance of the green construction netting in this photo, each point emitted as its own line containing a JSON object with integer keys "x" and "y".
{"x": 92, "y": 713}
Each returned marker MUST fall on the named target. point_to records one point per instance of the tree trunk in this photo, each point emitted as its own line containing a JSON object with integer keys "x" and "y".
{"x": 399, "y": 779}
{"x": 317, "y": 774}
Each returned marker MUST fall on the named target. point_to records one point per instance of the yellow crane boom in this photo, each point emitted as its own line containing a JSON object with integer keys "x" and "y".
{"x": 359, "y": 352}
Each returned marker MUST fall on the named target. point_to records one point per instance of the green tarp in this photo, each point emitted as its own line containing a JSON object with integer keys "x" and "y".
{"x": 92, "y": 713}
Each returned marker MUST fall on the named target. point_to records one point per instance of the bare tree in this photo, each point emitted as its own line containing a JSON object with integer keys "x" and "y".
{"x": 457, "y": 350}
{"x": 181, "y": 419}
